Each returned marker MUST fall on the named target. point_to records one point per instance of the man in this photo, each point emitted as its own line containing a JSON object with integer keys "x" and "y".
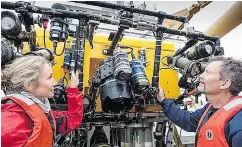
{"x": 218, "y": 123}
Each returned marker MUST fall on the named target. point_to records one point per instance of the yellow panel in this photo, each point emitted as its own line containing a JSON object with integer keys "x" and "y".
{"x": 168, "y": 78}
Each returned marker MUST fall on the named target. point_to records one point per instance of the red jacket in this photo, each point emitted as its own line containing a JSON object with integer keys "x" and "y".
{"x": 211, "y": 133}
{"x": 17, "y": 126}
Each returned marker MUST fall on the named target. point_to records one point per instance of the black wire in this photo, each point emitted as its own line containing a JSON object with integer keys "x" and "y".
{"x": 164, "y": 63}
{"x": 127, "y": 47}
{"x": 84, "y": 142}
{"x": 168, "y": 66}
{"x": 154, "y": 34}
{"x": 163, "y": 58}
{"x": 130, "y": 51}
{"x": 164, "y": 68}
{"x": 116, "y": 133}
{"x": 144, "y": 35}
{"x": 91, "y": 44}
{"x": 166, "y": 37}
{"x": 65, "y": 79}
{"x": 62, "y": 50}
{"x": 44, "y": 37}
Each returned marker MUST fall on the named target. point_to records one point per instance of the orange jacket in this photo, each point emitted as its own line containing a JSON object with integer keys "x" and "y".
{"x": 42, "y": 134}
{"x": 20, "y": 123}
{"x": 211, "y": 134}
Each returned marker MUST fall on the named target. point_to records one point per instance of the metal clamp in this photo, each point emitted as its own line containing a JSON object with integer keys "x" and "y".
{"x": 21, "y": 6}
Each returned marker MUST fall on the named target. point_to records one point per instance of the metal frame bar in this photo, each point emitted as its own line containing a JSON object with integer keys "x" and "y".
{"x": 134, "y": 10}
{"x": 78, "y": 15}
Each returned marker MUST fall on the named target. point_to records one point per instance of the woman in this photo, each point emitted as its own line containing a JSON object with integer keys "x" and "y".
{"x": 27, "y": 119}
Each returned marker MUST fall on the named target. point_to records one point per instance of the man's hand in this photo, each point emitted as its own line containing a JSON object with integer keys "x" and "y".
{"x": 74, "y": 79}
{"x": 160, "y": 95}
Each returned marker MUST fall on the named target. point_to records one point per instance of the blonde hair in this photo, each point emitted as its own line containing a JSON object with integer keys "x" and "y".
{"x": 24, "y": 71}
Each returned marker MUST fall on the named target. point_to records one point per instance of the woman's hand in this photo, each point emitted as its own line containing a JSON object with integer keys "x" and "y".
{"x": 74, "y": 79}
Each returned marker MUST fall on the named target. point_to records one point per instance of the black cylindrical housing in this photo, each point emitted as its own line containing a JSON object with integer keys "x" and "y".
{"x": 139, "y": 80}
{"x": 13, "y": 28}
{"x": 7, "y": 53}
{"x": 43, "y": 52}
{"x": 80, "y": 51}
{"x": 203, "y": 50}
{"x": 156, "y": 71}
{"x": 115, "y": 40}
{"x": 116, "y": 96}
{"x": 181, "y": 62}
{"x": 189, "y": 44}
{"x": 122, "y": 69}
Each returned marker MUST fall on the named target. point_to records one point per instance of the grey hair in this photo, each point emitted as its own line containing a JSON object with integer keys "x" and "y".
{"x": 24, "y": 71}
{"x": 231, "y": 69}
